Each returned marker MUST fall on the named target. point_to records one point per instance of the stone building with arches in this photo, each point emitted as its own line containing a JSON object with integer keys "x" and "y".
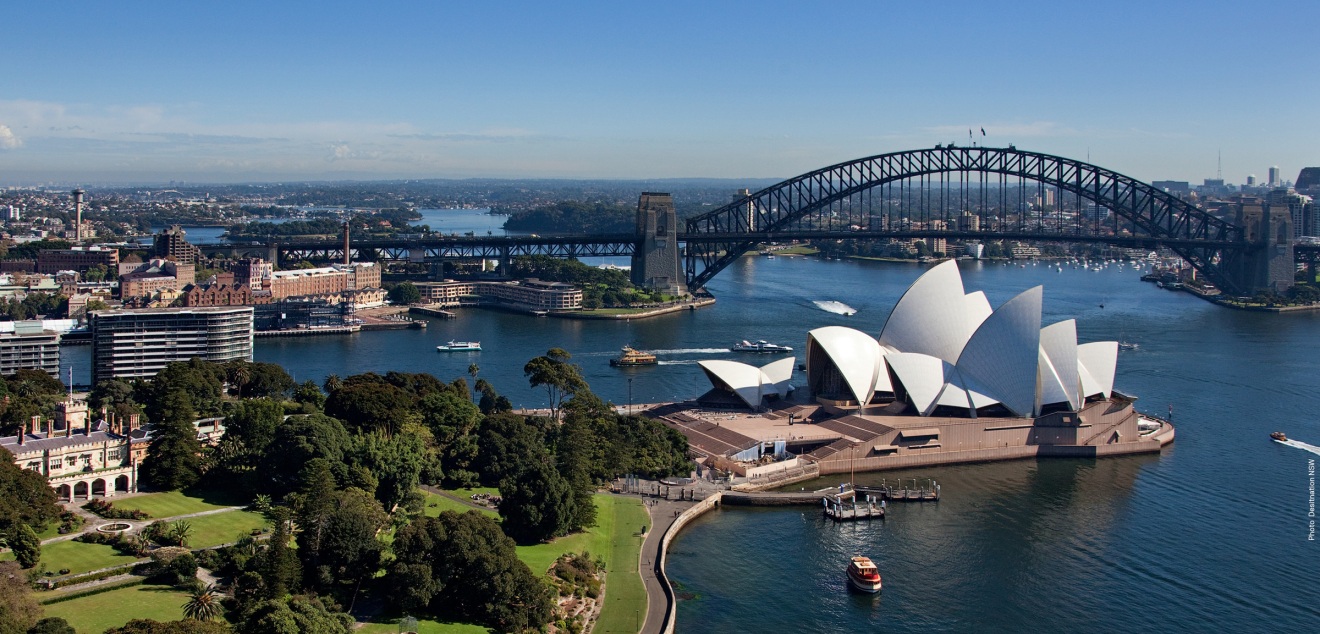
{"x": 82, "y": 458}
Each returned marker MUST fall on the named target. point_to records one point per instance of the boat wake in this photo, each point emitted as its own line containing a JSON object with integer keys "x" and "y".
{"x": 831, "y": 306}
{"x": 1300, "y": 445}
{"x": 683, "y": 362}
{"x": 691, "y": 351}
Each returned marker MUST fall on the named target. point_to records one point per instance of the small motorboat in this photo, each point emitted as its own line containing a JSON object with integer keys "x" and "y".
{"x": 1279, "y": 436}
{"x": 1123, "y": 345}
{"x": 460, "y": 346}
{"x": 863, "y": 575}
{"x": 759, "y": 346}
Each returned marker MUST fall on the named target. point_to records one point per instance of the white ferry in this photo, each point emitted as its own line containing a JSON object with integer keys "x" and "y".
{"x": 460, "y": 346}
{"x": 760, "y": 346}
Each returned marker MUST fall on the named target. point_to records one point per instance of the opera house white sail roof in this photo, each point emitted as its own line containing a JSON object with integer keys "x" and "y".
{"x": 943, "y": 348}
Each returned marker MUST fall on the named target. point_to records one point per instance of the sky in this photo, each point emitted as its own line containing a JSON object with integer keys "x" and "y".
{"x": 140, "y": 92}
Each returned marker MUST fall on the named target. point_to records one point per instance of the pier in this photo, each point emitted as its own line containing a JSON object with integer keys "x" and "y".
{"x": 843, "y": 507}
{"x": 915, "y": 494}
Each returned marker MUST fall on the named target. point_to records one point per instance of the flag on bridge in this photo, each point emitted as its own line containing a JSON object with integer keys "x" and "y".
{"x": 982, "y": 131}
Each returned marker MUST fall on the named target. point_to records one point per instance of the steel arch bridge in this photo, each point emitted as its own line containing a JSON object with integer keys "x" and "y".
{"x": 967, "y": 192}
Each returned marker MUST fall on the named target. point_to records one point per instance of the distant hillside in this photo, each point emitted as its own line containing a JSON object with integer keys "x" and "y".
{"x": 571, "y": 216}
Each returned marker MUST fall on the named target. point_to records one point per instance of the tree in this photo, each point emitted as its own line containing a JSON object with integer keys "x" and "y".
{"x": 186, "y": 626}
{"x": 473, "y": 369}
{"x": 183, "y": 570}
{"x": 559, "y": 378}
{"x": 19, "y": 610}
{"x": 34, "y": 383}
{"x": 464, "y": 566}
{"x": 332, "y": 383}
{"x": 25, "y": 497}
{"x": 309, "y": 394}
{"x": 298, "y": 615}
{"x": 300, "y": 439}
{"x": 181, "y": 530}
{"x": 370, "y": 406}
{"x": 350, "y": 549}
{"x": 491, "y": 402}
{"x": 203, "y": 604}
{"x": 96, "y": 304}
{"x": 52, "y": 625}
{"x": 173, "y": 459}
{"x": 312, "y": 505}
{"x": 537, "y": 504}
{"x": 448, "y": 416}
{"x": 405, "y": 293}
{"x": 394, "y": 461}
{"x": 249, "y": 430}
{"x": 26, "y": 546}
{"x": 280, "y": 566}
{"x": 506, "y": 444}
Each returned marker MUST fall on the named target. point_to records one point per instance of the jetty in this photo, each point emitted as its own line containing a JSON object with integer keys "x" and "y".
{"x": 885, "y": 491}
{"x": 844, "y": 507}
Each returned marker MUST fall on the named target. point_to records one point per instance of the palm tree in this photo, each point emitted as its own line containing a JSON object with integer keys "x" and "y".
{"x": 181, "y": 531}
{"x": 332, "y": 383}
{"x": 203, "y": 604}
{"x": 239, "y": 374}
{"x": 473, "y": 370}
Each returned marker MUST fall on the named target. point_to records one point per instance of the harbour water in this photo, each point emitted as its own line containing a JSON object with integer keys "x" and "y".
{"x": 1211, "y": 535}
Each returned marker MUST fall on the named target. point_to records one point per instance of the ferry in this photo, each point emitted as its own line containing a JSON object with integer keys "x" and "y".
{"x": 460, "y": 346}
{"x": 863, "y": 575}
{"x": 1279, "y": 436}
{"x": 759, "y": 346}
{"x": 633, "y": 357}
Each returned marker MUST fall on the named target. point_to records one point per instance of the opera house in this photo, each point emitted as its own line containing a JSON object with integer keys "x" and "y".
{"x": 948, "y": 379}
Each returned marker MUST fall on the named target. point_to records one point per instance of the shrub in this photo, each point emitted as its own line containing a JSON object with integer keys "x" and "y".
{"x": 108, "y": 511}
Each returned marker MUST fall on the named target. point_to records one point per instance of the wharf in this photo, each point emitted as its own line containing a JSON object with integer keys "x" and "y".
{"x": 847, "y": 513}
{"x": 430, "y": 311}
{"x": 902, "y": 495}
{"x": 307, "y": 332}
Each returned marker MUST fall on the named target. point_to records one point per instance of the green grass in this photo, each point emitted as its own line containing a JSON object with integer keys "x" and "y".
{"x": 424, "y": 626}
{"x": 222, "y": 528}
{"x": 443, "y": 503}
{"x": 797, "y": 251}
{"x": 95, "y": 613}
{"x": 624, "y": 592}
{"x": 467, "y": 494}
{"x": 618, "y": 311}
{"x": 162, "y": 505}
{"x": 78, "y": 557}
{"x": 54, "y": 530}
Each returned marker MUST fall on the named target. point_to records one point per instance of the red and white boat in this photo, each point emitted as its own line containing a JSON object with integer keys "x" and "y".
{"x": 863, "y": 575}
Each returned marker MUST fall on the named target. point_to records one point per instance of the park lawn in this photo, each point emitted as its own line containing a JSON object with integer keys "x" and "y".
{"x": 443, "y": 504}
{"x": 96, "y": 613}
{"x": 424, "y": 626}
{"x": 624, "y": 591}
{"x": 54, "y": 530}
{"x": 797, "y": 251}
{"x": 78, "y": 556}
{"x": 173, "y": 503}
{"x": 618, "y": 311}
{"x": 467, "y": 494}
{"x": 222, "y": 528}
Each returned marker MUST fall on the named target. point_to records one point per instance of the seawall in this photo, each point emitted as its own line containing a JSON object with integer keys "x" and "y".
{"x": 671, "y": 613}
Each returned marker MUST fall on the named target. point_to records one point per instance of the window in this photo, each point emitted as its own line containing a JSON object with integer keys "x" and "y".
{"x": 56, "y": 464}
{"x": 34, "y": 465}
{"x": 73, "y": 461}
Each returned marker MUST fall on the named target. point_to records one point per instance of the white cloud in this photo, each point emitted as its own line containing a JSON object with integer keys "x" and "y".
{"x": 8, "y": 140}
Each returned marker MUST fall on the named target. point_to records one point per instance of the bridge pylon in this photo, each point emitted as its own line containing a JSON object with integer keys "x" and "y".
{"x": 1269, "y": 263}
{"x": 655, "y": 262}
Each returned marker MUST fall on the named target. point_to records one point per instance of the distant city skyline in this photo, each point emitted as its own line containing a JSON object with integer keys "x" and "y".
{"x": 246, "y": 92}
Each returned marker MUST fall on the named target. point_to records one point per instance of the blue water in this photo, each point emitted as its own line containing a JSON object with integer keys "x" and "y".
{"x": 1210, "y": 535}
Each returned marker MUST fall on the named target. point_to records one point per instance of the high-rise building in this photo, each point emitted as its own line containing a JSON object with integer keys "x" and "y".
{"x": 1276, "y": 177}
{"x": 30, "y": 347}
{"x": 129, "y": 344}
{"x": 173, "y": 243}
{"x": 1251, "y": 180}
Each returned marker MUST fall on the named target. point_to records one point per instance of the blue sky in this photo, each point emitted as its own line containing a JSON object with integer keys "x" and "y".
{"x": 239, "y": 91}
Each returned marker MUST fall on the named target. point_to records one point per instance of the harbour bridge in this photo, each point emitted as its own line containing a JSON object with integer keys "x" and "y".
{"x": 950, "y": 192}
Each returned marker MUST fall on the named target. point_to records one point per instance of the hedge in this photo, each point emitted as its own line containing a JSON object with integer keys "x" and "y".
{"x": 91, "y": 591}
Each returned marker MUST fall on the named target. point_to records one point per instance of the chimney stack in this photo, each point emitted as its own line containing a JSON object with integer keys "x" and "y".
{"x": 347, "y": 260}
{"x": 77, "y": 207}
{"x": 36, "y": 425}
{"x": 132, "y": 422}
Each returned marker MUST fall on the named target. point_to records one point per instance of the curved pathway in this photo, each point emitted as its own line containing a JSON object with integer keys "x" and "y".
{"x": 663, "y": 513}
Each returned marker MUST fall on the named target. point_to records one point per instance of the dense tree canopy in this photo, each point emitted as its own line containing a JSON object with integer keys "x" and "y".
{"x": 464, "y": 566}
{"x": 25, "y": 497}
{"x": 571, "y": 216}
